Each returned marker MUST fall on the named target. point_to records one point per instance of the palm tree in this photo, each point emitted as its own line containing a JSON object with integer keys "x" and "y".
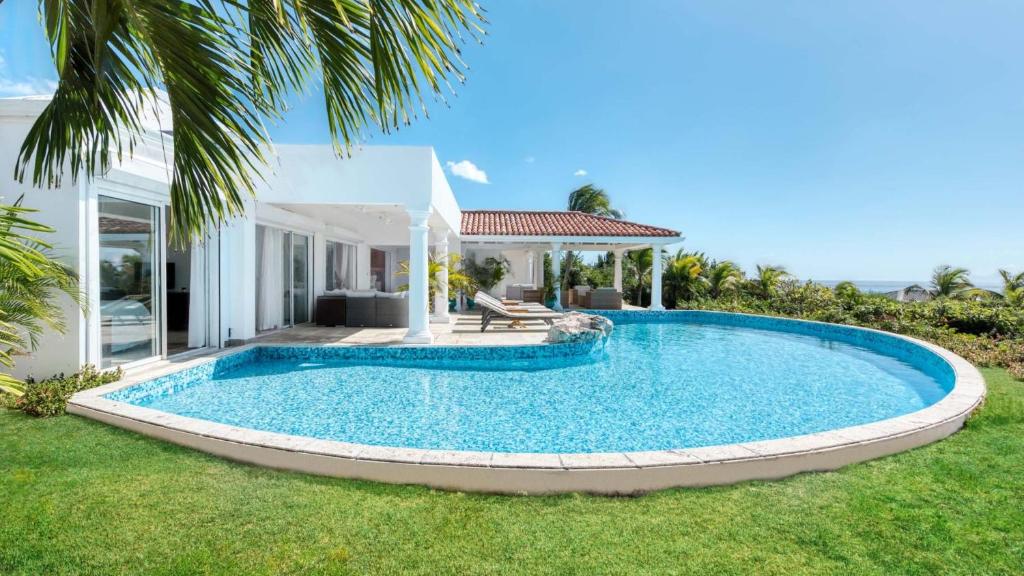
{"x": 1013, "y": 287}
{"x": 639, "y": 265}
{"x": 724, "y": 278}
{"x": 225, "y": 65}
{"x": 30, "y": 281}
{"x": 847, "y": 290}
{"x": 768, "y": 280}
{"x": 588, "y": 199}
{"x": 948, "y": 281}
{"x": 684, "y": 276}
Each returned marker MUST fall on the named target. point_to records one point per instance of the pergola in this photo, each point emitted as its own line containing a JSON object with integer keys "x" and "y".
{"x": 537, "y": 232}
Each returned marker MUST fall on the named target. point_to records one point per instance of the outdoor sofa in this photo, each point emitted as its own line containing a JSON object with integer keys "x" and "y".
{"x": 363, "y": 309}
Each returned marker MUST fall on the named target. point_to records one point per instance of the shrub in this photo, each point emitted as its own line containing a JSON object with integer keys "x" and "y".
{"x": 1016, "y": 370}
{"x": 50, "y": 397}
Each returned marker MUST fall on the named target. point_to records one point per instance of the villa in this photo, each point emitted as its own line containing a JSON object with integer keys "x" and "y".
{"x": 320, "y": 226}
{"x": 344, "y": 246}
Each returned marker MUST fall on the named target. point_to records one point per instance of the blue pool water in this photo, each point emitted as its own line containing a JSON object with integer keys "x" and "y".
{"x": 654, "y": 386}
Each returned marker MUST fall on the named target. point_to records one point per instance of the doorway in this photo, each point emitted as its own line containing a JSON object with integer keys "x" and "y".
{"x": 186, "y": 294}
{"x": 283, "y": 294}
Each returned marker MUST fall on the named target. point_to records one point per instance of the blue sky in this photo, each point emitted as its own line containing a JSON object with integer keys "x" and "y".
{"x": 865, "y": 140}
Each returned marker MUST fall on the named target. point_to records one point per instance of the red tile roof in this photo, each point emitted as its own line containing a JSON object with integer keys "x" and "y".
{"x": 540, "y": 223}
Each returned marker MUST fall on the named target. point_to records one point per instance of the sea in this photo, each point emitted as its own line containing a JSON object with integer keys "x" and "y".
{"x": 881, "y": 286}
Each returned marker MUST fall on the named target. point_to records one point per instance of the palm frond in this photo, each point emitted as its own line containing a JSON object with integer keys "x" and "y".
{"x": 226, "y": 65}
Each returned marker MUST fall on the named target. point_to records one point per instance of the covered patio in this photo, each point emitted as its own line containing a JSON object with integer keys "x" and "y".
{"x": 522, "y": 238}
{"x": 359, "y": 236}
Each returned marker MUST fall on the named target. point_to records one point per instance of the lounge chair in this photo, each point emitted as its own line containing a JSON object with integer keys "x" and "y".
{"x": 493, "y": 308}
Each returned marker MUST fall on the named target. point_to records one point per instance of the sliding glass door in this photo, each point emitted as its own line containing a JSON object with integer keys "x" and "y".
{"x": 282, "y": 278}
{"x": 129, "y": 240}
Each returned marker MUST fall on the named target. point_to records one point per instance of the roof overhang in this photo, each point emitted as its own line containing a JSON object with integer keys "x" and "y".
{"x": 596, "y": 243}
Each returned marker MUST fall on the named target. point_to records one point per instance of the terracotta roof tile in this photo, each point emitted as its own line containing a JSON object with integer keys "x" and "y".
{"x": 530, "y": 223}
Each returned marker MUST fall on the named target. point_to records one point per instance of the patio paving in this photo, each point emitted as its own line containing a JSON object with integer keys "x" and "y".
{"x": 462, "y": 330}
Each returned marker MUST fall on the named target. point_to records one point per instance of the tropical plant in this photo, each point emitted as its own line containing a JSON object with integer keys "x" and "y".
{"x": 768, "y": 279}
{"x": 485, "y": 275}
{"x": 949, "y": 282}
{"x": 847, "y": 291}
{"x": 639, "y": 264}
{"x": 225, "y": 66}
{"x": 588, "y": 199}
{"x": 1013, "y": 287}
{"x": 724, "y": 278}
{"x": 457, "y": 280}
{"x": 31, "y": 280}
{"x": 684, "y": 277}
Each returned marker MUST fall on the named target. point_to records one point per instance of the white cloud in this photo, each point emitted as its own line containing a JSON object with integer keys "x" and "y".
{"x": 580, "y": 172}
{"x": 22, "y": 86}
{"x": 468, "y": 170}
{"x": 529, "y": 159}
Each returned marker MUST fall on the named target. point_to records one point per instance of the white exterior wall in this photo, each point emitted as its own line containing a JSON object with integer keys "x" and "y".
{"x": 518, "y": 260}
{"x": 62, "y": 209}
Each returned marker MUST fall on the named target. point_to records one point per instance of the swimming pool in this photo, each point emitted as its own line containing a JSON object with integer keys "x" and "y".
{"x": 674, "y": 382}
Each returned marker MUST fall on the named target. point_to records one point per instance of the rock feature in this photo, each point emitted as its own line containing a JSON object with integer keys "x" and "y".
{"x": 579, "y": 327}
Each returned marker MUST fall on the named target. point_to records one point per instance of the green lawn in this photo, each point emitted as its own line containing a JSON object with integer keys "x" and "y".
{"x": 81, "y": 497}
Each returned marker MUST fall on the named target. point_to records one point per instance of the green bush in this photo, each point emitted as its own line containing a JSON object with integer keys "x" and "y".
{"x": 50, "y": 397}
{"x": 1016, "y": 370}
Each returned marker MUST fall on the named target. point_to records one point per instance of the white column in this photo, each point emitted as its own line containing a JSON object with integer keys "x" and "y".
{"x": 656, "y": 278}
{"x": 441, "y": 295}
{"x": 419, "y": 328}
{"x": 556, "y": 269}
{"x": 619, "y": 255}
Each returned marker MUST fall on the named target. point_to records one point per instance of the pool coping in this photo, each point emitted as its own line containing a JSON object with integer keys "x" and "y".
{"x": 535, "y": 473}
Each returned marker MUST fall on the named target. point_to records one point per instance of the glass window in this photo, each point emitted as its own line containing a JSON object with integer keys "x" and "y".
{"x": 128, "y": 295}
{"x": 341, "y": 266}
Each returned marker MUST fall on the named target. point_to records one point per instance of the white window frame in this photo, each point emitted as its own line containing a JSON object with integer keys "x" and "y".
{"x": 139, "y": 195}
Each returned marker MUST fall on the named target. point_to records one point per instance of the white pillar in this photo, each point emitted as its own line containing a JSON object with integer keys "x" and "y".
{"x": 441, "y": 295}
{"x": 419, "y": 328}
{"x": 656, "y": 279}
{"x": 556, "y": 269}
{"x": 619, "y": 255}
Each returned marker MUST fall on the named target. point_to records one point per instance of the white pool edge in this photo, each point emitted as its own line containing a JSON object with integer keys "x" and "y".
{"x": 600, "y": 473}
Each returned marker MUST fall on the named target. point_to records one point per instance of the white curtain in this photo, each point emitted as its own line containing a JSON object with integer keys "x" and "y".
{"x": 270, "y": 305}
{"x": 197, "y": 315}
{"x": 344, "y": 266}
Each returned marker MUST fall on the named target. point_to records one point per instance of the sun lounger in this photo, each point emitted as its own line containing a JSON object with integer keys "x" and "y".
{"x": 493, "y": 308}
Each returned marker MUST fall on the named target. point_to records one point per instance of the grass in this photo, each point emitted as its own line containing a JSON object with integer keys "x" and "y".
{"x": 79, "y": 497}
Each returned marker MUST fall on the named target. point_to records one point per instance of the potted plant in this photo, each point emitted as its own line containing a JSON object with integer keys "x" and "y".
{"x": 457, "y": 279}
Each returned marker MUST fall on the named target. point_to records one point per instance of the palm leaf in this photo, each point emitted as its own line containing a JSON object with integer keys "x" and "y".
{"x": 226, "y": 65}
